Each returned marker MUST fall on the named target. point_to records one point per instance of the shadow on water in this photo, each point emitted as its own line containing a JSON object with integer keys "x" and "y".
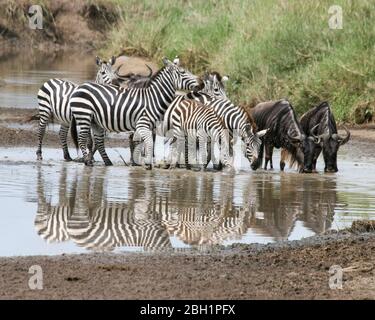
{"x": 159, "y": 210}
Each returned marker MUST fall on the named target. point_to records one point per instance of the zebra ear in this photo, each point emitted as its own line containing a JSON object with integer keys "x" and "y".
{"x": 112, "y": 60}
{"x": 225, "y": 78}
{"x": 176, "y": 61}
{"x": 166, "y": 61}
{"x": 98, "y": 61}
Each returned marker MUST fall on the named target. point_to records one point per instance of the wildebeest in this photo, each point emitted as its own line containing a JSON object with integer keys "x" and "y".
{"x": 284, "y": 132}
{"x": 132, "y": 80}
{"x": 320, "y": 123}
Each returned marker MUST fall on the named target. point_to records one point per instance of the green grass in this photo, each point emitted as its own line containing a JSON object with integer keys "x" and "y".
{"x": 270, "y": 48}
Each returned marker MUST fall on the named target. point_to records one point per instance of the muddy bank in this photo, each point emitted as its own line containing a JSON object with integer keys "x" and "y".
{"x": 287, "y": 270}
{"x": 91, "y": 21}
{"x": 25, "y": 133}
{"x": 362, "y": 136}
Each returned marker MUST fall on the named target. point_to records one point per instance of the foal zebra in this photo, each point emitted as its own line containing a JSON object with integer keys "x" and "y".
{"x": 235, "y": 118}
{"x": 193, "y": 120}
{"x": 53, "y": 100}
{"x": 109, "y": 108}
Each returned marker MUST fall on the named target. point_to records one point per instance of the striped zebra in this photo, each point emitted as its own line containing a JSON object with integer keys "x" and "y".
{"x": 53, "y": 100}
{"x": 108, "y": 108}
{"x": 235, "y": 118}
{"x": 194, "y": 121}
{"x": 213, "y": 84}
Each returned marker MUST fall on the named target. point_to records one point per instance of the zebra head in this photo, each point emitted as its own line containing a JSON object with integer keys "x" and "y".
{"x": 105, "y": 74}
{"x": 253, "y": 143}
{"x": 214, "y": 85}
{"x": 182, "y": 79}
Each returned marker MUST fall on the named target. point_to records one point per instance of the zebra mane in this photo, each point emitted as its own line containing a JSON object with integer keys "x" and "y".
{"x": 249, "y": 118}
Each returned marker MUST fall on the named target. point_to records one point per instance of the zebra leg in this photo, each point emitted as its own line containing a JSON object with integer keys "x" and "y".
{"x": 43, "y": 121}
{"x": 145, "y": 133}
{"x": 99, "y": 135}
{"x": 63, "y": 134}
{"x": 202, "y": 151}
{"x": 186, "y": 153}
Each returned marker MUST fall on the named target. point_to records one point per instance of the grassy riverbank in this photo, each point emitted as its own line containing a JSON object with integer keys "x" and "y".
{"x": 270, "y": 49}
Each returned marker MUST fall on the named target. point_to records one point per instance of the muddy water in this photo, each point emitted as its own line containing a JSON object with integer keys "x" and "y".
{"x": 54, "y": 207}
{"x": 22, "y": 74}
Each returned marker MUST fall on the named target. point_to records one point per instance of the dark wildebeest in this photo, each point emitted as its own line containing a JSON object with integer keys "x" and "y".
{"x": 320, "y": 123}
{"x": 284, "y": 132}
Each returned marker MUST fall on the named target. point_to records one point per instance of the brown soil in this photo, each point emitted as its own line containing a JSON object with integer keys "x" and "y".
{"x": 65, "y": 24}
{"x": 10, "y": 137}
{"x": 290, "y": 270}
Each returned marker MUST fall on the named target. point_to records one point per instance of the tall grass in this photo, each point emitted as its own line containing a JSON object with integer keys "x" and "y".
{"x": 270, "y": 48}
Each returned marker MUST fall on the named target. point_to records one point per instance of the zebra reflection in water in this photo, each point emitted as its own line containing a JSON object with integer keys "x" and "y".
{"x": 153, "y": 210}
{"x": 91, "y": 221}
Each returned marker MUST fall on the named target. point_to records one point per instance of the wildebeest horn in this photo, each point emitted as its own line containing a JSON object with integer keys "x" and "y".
{"x": 150, "y": 70}
{"x": 342, "y": 139}
{"x": 319, "y": 138}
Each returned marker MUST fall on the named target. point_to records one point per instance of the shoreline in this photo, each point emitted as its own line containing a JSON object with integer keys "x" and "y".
{"x": 296, "y": 269}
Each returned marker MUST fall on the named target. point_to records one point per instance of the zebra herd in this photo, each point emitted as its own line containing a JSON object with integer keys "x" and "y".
{"x": 199, "y": 119}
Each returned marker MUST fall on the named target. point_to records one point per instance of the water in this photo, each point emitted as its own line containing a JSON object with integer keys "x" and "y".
{"x": 25, "y": 72}
{"x": 54, "y": 207}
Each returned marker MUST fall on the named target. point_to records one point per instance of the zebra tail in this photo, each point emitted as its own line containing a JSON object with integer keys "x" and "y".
{"x": 74, "y": 133}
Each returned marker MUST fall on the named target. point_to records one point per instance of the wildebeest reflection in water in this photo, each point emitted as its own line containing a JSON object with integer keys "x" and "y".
{"x": 297, "y": 198}
{"x": 199, "y": 210}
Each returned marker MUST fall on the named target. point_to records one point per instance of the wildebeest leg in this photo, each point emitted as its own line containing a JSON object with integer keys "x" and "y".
{"x": 317, "y": 152}
{"x": 268, "y": 155}
{"x": 63, "y": 134}
{"x": 284, "y": 155}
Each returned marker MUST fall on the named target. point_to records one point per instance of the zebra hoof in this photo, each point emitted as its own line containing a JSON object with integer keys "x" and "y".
{"x": 80, "y": 160}
{"x": 218, "y": 167}
{"x": 108, "y": 164}
{"x": 148, "y": 166}
{"x": 39, "y": 157}
{"x": 89, "y": 163}
{"x": 68, "y": 159}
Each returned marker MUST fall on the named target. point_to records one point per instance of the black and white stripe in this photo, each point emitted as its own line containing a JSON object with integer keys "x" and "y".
{"x": 193, "y": 121}
{"x": 235, "y": 118}
{"x": 109, "y": 108}
{"x": 53, "y": 100}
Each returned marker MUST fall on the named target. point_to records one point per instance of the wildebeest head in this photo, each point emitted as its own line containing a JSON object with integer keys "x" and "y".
{"x": 330, "y": 143}
{"x": 303, "y": 146}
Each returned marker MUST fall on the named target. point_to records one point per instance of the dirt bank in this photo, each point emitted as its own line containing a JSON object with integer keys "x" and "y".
{"x": 66, "y": 24}
{"x": 289, "y": 270}
{"x": 26, "y": 132}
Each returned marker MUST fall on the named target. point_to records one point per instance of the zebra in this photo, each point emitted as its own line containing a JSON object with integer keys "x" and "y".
{"x": 214, "y": 84}
{"x": 110, "y": 108}
{"x": 193, "y": 120}
{"x": 234, "y": 118}
{"x": 53, "y": 100}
